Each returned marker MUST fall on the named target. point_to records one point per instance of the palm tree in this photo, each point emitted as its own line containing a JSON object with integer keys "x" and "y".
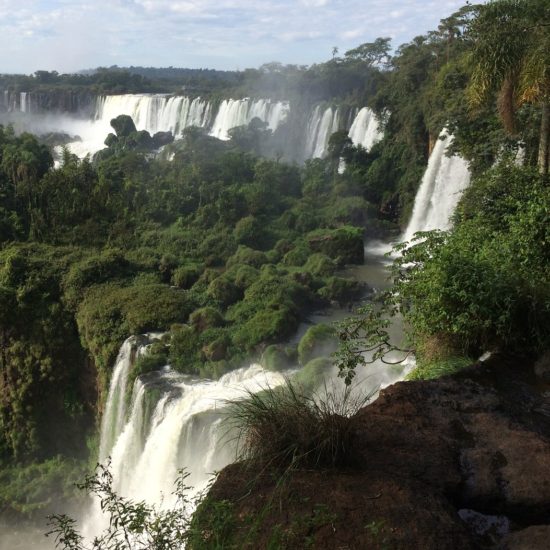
{"x": 511, "y": 55}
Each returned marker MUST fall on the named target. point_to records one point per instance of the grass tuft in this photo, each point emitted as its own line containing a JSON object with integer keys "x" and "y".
{"x": 287, "y": 427}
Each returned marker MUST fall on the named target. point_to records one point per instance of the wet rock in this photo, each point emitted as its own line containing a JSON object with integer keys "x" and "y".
{"x": 536, "y": 537}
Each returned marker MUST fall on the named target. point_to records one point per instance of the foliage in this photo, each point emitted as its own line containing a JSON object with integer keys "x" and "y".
{"x": 284, "y": 427}
{"x": 132, "y": 525}
{"x": 36, "y": 489}
{"x": 277, "y": 357}
{"x": 428, "y": 370}
{"x": 481, "y": 287}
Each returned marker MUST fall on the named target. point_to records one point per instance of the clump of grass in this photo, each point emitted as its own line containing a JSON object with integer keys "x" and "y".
{"x": 430, "y": 370}
{"x": 288, "y": 427}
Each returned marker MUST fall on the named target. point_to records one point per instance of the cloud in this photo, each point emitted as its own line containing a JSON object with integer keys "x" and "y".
{"x": 71, "y": 34}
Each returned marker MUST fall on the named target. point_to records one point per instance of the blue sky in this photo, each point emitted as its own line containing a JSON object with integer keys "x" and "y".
{"x": 67, "y": 35}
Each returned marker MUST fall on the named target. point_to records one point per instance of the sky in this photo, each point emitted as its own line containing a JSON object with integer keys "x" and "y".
{"x": 70, "y": 35}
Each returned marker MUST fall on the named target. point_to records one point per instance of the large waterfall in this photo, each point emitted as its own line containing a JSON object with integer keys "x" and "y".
{"x": 171, "y": 421}
{"x": 365, "y": 129}
{"x": 444, "y": 180}
{"x": 322, "y": 124}
{"x": 155, "y": 112}
{"x": 239, "y": 112}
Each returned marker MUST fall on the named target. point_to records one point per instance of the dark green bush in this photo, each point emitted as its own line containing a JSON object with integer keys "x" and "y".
{"x": 344, "y": 245}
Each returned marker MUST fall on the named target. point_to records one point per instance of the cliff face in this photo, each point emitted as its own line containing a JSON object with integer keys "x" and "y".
{"x": 459, "y": 462}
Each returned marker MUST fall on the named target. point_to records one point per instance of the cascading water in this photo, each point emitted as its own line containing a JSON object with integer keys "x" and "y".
{"x": 24, "y": 102}
{"x": 155, "y": 113}
{"x": 322, "y": 124}
{"x": 174, "y": 421}
{"x": 239, "y": 112}
{"x": 365, "y": 129}
{"x": 444, "y": 180}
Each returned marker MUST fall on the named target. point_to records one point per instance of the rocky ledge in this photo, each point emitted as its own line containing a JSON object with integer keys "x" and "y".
{"x": 460, "y": 462}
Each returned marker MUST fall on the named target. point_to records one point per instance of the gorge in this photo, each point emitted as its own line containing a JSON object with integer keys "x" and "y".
{"x": 192, "y": 276}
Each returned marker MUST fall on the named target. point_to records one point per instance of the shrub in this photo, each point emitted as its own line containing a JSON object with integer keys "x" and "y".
{"x": 248, "y": 256}
{"x": 344, "y": 245}
{"x": 320, "y": 265}
{"x": 248, "y": 231}
{"x": 206, "y": 317}
{"x": 273, "y": 323}
{"x": 186, "y": 276}
{"x": 284, "y": 427}
{"x": 340, "y": 290}
{"x": 314, "y": 374}
{"x": 184, "y": 355}
{"x": 428, "y": 370}
{"x": 245, "y": 276}
{"x": 297, "y": 256}
{"x": 224, "y": 291}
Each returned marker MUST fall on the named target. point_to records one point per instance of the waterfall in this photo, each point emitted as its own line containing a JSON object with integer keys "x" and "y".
{"x": 115, "y": 407}
{"x": 439, "y": 192}
{"x": 24, "y": 102}
{"x": 239, "y": 112}
{"x": 173, "y": 421}
{"x": 321, "y": 125}
{"x": 365, "y": 129}
{"x": 155, "y": 112}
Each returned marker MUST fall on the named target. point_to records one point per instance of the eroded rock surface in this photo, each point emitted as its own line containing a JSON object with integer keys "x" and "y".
{"x": 459, "y": 462}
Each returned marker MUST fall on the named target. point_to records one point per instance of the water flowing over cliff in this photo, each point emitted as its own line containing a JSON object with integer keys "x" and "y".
{"x": 365, "y": 129}
{"x": 171, "y": 421}
{"x": 439, "y": 192}
{"x": 322, "y": 124}
{"x": 155, "y": 113}
{"x": 240, "y": 112}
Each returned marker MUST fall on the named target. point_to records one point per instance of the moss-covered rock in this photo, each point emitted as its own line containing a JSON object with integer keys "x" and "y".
{"x": 344, "y": 245}
{"x": 320, "y": 265}
{"x": 338, "y": 289}
{"x": 319, "y": 341}
{"x": 314, "y": 374}
{"x": 278, "y": 357}
{"x": 205, "y": 318}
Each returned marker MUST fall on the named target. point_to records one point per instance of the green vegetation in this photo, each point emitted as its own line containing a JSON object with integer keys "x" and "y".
{"x": 483, "y": 285}
{"x": 226, "y": 251}
{"x": 286, "y": 427}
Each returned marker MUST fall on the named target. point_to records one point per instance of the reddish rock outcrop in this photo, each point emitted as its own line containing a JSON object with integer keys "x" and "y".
{"x": 459, "y": 462}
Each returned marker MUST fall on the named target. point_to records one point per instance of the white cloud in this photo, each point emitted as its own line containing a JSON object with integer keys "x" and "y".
{"x": 72, "y": 34}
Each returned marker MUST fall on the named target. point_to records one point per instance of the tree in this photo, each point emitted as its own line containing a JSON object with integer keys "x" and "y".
{"x": 511, "y": 55}
{"x": 375, "y": 53}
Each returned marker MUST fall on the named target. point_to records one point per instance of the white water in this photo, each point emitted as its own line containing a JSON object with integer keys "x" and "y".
{"x": 321, "y": 125}
{"x": 365, "y": 129}
{"x": 155, "y": 112}
{"x": 174, "y": 421}
{"x": 239, "y": 112}
{"x": 444, "y": 180}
